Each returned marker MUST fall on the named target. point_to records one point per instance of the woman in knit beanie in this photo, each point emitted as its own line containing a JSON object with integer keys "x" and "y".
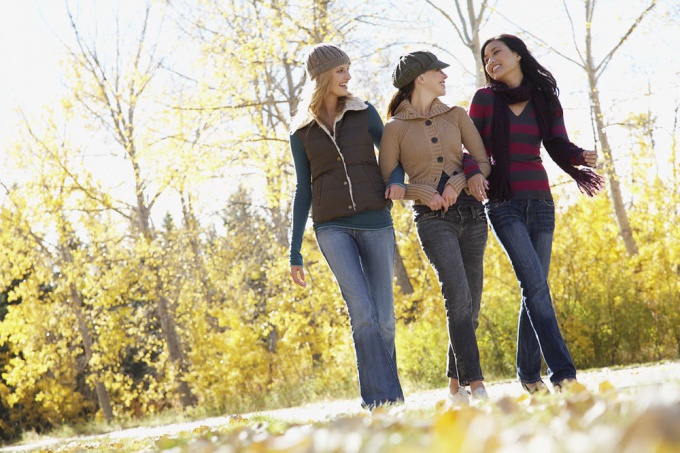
{"x": 426, "y": 137}
{"x": 516, "y": 112}
{"x": 332, "y": 141}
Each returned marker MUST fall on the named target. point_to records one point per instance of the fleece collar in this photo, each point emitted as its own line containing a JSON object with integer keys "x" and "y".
{"x": 352, "y": 104}
{"x": 405, "y": 111}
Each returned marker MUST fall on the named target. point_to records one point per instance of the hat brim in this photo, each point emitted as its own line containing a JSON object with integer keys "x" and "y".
{"x": 437, "y": 64}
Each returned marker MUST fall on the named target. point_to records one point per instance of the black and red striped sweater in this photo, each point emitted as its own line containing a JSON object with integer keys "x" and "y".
{"x": 528, "y": 178}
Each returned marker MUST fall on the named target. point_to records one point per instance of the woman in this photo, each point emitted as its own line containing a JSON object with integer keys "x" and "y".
{"x": 332, "y": 140}
{"x": 515, "y": 112}
{"x": 426, "y": 136}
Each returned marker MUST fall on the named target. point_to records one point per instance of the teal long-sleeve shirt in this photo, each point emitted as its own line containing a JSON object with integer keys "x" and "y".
{"x": 302, "y": 203}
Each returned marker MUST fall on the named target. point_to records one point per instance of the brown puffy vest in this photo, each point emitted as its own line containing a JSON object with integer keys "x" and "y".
{"x": 346, "y": 178}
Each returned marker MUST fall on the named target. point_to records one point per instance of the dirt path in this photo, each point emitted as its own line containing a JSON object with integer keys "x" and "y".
{"x": 644, "y": 376}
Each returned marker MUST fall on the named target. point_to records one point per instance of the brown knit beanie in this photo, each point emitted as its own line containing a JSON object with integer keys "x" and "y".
{"x": 414, "y": 64}
{"x": 324, "y": 57}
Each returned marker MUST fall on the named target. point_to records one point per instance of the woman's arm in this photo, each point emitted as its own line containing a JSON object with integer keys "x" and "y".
{"x": 559, "y": 140}
{"x": 479, "y": 164}
{"x": 390, "y": 151}
{"x": 475, "y": 146}
{"x": 303, "y": 199}
{"x": 376, "y": 128}
{"x": 375, "y": 125}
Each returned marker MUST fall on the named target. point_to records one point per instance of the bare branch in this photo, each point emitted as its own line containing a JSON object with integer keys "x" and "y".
{"x": 603, "y": 64}
{"x": 541, "y": 41}
{"x": 450, "y": 20}
{"x": 573, "y": 33}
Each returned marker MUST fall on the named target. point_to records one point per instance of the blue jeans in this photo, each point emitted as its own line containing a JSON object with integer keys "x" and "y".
{"x": 525, "y": 230}
{"x": 454, "y": 244}
{"x": 362, "y": 262}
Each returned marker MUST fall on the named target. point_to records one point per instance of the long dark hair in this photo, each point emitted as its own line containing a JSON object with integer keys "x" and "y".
{"x": 532, "y": 70}
{"x": 402, "y": 93}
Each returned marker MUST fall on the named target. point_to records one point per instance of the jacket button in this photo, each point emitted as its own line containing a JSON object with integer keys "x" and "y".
{"x": 338, "y": 159}
{"x": 344, "y": 183}
{"x": 435, "y": 139}
{"x": 349, "y": 207}
{"x": 440, "y": 159}
{"x": 428, "y": 123}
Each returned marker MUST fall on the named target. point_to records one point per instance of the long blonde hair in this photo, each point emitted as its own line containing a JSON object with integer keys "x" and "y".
{"x": 313, "y": 94}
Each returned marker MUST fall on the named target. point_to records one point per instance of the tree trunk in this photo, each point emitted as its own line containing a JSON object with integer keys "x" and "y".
{"x": 609, "y": 169}
{"x": 172, "y": 341}
{"x": 102, "y": 394}
{"x": 401, "y": 274}
{"x": 191, "y": 225}
{"x": 614, "y": 185}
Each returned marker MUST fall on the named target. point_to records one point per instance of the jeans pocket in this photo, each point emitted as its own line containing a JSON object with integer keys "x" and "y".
{"x": 549, "y": 203}
{"x": 427, "y": 216}
{"x": 491, "y": 205}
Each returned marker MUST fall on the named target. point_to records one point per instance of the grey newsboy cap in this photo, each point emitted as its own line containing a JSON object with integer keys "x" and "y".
{"x": 412, "y": 65}
{"x": 324, "y": 57}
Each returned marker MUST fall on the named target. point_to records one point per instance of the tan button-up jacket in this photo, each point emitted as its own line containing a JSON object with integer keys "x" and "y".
{"x": 428, "y": 146}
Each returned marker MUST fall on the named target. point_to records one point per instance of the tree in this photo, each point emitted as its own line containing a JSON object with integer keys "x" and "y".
{"x": 594, "y": 70}
{"x": 113, "y": 94}
{"x": 467, "y": 22}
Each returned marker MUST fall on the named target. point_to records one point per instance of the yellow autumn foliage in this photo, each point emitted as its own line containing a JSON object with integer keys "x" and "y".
{"x": 92, "y": 283}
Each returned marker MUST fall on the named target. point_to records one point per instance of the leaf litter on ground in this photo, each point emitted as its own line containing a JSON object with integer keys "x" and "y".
{"x": 599, "y": 418}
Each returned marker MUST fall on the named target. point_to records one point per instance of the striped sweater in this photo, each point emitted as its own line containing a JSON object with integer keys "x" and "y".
{"x": 528, "y": 178}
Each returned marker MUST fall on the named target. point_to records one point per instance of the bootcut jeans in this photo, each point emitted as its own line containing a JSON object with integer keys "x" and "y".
{"x": 524, "y": 228}
{"x": 362, "y": 262}
{"x": 454, "y": 243}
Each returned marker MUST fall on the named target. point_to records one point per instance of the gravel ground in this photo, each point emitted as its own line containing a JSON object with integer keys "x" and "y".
{"x": 636, "y": 380}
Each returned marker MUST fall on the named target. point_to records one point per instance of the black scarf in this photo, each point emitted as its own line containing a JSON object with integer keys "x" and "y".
{"x": 558, "y": 148}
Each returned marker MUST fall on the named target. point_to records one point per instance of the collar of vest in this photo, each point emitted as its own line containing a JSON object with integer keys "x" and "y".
{"x": 405, "y": 111}
{"x": 352, "y": 104}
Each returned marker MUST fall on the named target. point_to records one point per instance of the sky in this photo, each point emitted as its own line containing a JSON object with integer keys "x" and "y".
{"x": 30, "y": 61}
{"x": 32, "y": 78}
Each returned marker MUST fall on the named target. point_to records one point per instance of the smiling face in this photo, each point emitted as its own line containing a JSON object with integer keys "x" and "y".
{"x": 502, "y": 64}
{"x": 340, "y": 77}
{"x": 434, "y": 81}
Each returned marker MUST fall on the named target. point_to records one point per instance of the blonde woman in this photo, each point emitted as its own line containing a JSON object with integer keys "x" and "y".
{"x": 332, "y": 141}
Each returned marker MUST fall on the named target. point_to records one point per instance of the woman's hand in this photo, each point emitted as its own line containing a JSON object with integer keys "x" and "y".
{"x": 437, "y": 202}
{"x": 450, "y": 195}
{"x": 395, "y": 192}
{"x": 478, "y": 186}
{"x": 591, "y": 158}
{"x": 298, "y": 274}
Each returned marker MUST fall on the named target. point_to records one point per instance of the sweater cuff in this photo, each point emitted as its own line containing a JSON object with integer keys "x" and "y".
{"x": 295, "y": 258}
{"x": 458, "y": 181}
{"x": 470, "y": 166}
{"x": 578, "y": 160}
{"x": 420, "y": 193}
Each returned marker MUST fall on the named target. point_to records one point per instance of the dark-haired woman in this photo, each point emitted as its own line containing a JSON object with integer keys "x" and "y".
{"x": 515, "y": 112}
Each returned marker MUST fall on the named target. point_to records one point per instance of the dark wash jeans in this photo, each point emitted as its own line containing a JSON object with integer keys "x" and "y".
{"x": 525, "y": 230}
{"x": 362, "y": 262}
{"x": 454, "y": 244}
